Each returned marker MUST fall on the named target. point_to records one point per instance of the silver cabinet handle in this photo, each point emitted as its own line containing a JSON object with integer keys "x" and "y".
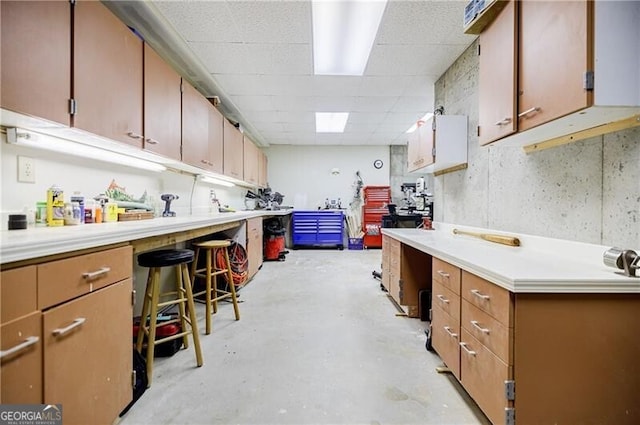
{"x": 61, "y": 331}
{"x": 528, "y": 111}
{"x": 464, "y": 346}
{"x": 443, "y": 299}
{"x": 134, "y": 135}
{"x": 443, "y": 274}
{"x": 504, "y": 121}
{"x": 480, "y": 295}
{"x": 151, "y": 141}
{"x": 204, "y": 161}
{"x": 96, "y": 274}
{"x": 450, "y": 332}
{"x": 475, "y": 324}
{"x": 13, "y": 350}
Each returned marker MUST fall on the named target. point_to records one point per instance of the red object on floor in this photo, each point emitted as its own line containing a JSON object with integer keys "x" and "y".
{"x": 273, "y": 246}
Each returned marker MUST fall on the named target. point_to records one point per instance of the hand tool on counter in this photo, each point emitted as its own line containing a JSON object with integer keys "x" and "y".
{"x": 167, "y": 198}
{"x": 491, "y": 237}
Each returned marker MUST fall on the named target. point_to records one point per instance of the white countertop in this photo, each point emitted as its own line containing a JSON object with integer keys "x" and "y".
{"x": 17, "y": 245}
{"x": 538, "y": 265}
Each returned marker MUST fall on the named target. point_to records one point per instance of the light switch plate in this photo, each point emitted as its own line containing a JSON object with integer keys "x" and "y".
{"x": 26, "y": 169}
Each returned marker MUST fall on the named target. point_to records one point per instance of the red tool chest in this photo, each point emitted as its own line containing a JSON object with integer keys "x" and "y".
{"x": 376, "y": 199}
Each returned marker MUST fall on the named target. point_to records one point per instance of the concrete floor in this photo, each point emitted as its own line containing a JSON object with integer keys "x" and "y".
{"x": 318, "y": 343}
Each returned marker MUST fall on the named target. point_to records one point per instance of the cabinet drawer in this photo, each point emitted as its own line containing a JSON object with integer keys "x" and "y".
{"x": 446, "y": 300}
{"x": 490, "y": 298}
{"x": 62, "y": 280}
{"x": 489, "y": 331}
{"x": 21, "y": 372}
{"x": 445, "y": 339}
{"x": 87, "y": 355}
{"x": 446, "y": 274}
{"x": 19, "y": 293}
{"x": 483, "y": 374}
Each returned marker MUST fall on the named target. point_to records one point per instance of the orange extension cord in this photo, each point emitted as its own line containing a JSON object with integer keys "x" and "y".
{"x": 238, "y": 260}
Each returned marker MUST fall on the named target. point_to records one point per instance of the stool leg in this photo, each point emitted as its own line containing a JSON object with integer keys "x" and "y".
{"x": 208, "y": 294}
{"x": 232, "y": 286}
{"x": 142, "y": 328}
{"x": 151, "y": 339}
{"x": 180, "y": 293}
{"x": 193, "y": 321}
{"x": 214, "y": 281}
{"x": 194, "y": 267}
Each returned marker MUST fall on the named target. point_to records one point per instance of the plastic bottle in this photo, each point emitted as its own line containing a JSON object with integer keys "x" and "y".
{"x": 55, "y": 206}
{"x": 79, "y": 198}
{"x": 41, "y": 213}
{"x": 72, "y": 213}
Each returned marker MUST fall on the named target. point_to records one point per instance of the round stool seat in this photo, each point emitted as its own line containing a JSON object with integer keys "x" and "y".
{"x": 213, "y": 244}
{"x": 165, "y": 257}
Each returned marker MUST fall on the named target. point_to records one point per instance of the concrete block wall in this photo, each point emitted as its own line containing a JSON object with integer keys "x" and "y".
{"x": 587, "y": 191}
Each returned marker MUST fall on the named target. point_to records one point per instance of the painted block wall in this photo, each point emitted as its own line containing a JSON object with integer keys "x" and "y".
{"x": 587, "y": 191}
{"x": 303, "y": 174}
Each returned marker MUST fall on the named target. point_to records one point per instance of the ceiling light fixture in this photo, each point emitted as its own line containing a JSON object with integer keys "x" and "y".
{"x": 213, "y": 180}
{"x": 343, "y": 35}
{"x": 31, "y": 139}
{"x": 331, "y": 122}
{"x": 421, "y": 120}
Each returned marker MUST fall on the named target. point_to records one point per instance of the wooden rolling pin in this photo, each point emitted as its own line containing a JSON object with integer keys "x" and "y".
{"x": 505, "y": 240}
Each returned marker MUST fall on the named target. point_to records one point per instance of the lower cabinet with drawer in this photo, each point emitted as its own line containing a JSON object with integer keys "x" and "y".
{"x": 254, "y": 245}
{"x": 538, "y": 358}
{"x": 74, "y": 345}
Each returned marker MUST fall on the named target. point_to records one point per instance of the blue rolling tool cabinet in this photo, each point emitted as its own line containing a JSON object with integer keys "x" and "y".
{"x": 317, "y": 228}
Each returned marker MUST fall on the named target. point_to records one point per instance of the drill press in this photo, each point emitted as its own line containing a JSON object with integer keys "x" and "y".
{"x": 167, "y": 198}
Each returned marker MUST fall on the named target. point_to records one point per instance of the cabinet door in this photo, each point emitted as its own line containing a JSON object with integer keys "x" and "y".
{"x": 446, "y": 339}
{"x": 216, "y": 139}
{"x": 195, "y": 128}
{"x": 254, "y": 245}
{"x": 21, "y": 371}
{"x": 420, "y": 148}
{"x": 88, "y": 355}
{"x": 554, "y": 54}
{"x": 233, "y": 151}
{"x": 107, "y": 70}
{"x": 497, "y": 77}
{"x": 19, "y": 289}
{"x": 263, "y": 170}
{"x": 250, "y": 159}
{"x": 36, "y": 58}
{"x": 162, "y": 109}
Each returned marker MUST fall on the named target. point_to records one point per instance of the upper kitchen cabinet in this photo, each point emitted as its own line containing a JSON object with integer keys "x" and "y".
{"x": 263, "y": 167}
{"x": 439, "y": 145}
{"x": 577, "y": 73}
{"x": 251, "y": 159}
{"x": 216, "y": 139}
{"x": 36, "y": 59}
{"x": 162, "y": 106}
{"x": 497, "y": 76}
{"x": 233, "y": 151}
{"x": 108, "y": 77}
{"x": 195, "y": 128}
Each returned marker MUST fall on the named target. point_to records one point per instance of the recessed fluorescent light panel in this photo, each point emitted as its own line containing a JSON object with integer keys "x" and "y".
{"x": 331, "y": 122}
{"x": 423, "y": 119}
{"x": 343, "y": 34}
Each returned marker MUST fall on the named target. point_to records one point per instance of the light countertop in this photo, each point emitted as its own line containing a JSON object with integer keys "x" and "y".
{"x": 17, "y": 245}
{"x": 539, "y": 265}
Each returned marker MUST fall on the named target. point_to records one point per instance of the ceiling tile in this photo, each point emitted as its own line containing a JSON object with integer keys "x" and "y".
{"x": 296, "y": 116}
{"x": 371, "y": 118}
{"x": 334, "y": 103}
{"x": 336, "y": 85}
{"x": 253, "y": 103}
{"x": 293, "y": 103}
{"x": 201, "y": 21}
{"x": 414, "y": 103}
{"x": 383, "y": 85}
{"x": 374, "y": 103}
{"x": 273, "y": 21}
{"x": 280, "y": 59}
{"x": 396, "y": 59}
{"x": 222, "y": 58}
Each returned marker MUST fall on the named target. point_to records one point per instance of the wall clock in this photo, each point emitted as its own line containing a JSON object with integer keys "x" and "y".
{"x": 377, "y": 164}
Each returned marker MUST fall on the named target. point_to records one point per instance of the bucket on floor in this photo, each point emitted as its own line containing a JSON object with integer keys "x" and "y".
{"x": 355, "y": 243}
{"x": 273, "y": 247}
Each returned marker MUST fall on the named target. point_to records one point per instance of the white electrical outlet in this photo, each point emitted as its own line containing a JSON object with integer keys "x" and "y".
{"x": 26, "y": 169}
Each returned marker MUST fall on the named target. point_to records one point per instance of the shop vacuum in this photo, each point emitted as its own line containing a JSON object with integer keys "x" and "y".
{"x": 274, "y": 243}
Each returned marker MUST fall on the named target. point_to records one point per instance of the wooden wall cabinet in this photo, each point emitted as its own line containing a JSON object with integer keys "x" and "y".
{"x": 108, "y": 77}
{"x": 233, "y": 151}
{"x": 36, "y": 59}
{"x": 162, "y": 106}
{"x": 570, "y": 83}
{"x": 216, "y": 139}
{"x": 251, "y": 159}
{"x": 21, "y": 378}
{"x": 195, "y": 128}
{"x": 263, "y": 168}
{"x": 254, "y": 245}
{"x": 439, "y": 145}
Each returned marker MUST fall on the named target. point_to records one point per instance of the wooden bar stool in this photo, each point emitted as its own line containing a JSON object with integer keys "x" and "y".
{"x": 210, "y": 272}
{"x": 182, "y": 296}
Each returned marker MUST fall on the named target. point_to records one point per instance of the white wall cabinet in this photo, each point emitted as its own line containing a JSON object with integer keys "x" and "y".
{"x": 439, "y": 145}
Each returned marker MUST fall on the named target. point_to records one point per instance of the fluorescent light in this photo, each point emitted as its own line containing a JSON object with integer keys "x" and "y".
{"x": 213, "y": 180}
{"x": 343, "y": 34}
{"x": 421, "y": 121}
{"x": 41, "y": 141}
{"x": 331, "y": 122}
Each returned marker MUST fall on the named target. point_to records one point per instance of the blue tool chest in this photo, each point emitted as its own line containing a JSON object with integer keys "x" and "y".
{"x": 321, "y": 227}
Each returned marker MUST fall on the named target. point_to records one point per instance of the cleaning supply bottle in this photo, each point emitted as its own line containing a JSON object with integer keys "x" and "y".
{"x": 55, "y": 206}
{"x": 79, "y": 198}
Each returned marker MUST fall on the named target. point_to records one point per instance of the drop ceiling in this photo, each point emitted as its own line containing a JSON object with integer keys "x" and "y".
{"x": 256, "y": 57}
